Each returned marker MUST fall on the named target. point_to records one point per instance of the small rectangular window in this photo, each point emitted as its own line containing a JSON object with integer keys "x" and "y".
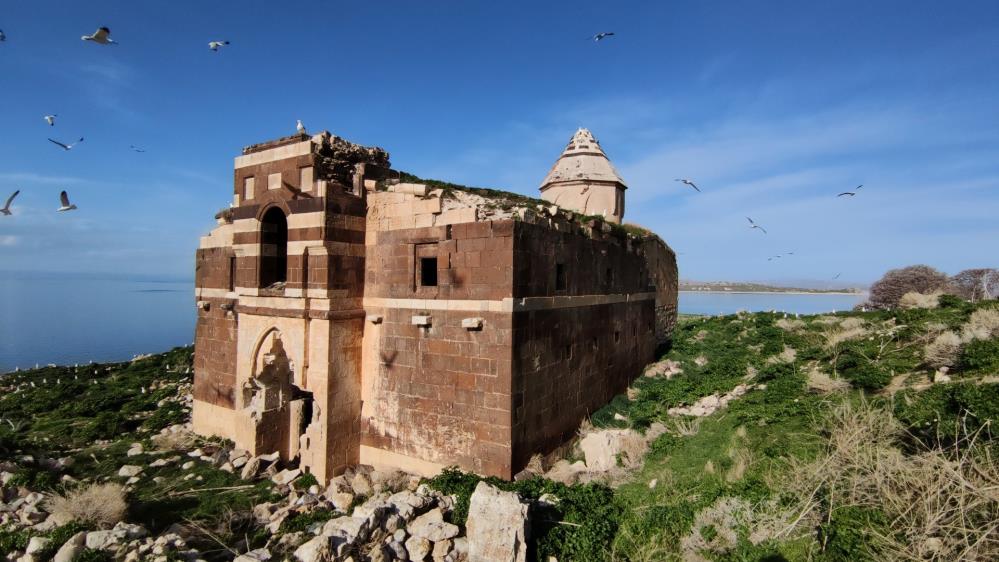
{"x": 274, "y": 181}
{"x": 428, "y": 272}
{"x": 560, "y": 281}
{"x": 248, "y": 186}
{"x": 232, "y": 273}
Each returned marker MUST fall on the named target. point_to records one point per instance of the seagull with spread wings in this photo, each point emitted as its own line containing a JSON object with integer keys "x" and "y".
{"x": 754, "y": 225}
{"x": 216, "y": 45}
{"x": 601, "y": 36}
{"x": 689, "y": 182}
{"x": 102, "y": 36}
{"x": 6, "y": 208}
{"x": 66, "y": 146}
{"x": 851, "y": 193}
{"x": 137, "y": 149}
{"x": 50, "y": 119}
{"x": 66, "y": 205}
{"x": 3, "y": 36}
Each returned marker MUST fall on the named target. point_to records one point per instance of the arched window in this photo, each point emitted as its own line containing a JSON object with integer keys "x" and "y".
{"x": 273, "y": 248}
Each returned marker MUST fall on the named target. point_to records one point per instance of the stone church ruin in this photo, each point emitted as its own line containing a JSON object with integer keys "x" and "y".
{"x": 347, "y": 317}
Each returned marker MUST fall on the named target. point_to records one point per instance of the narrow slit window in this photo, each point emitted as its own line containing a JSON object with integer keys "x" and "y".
{"x": 232, "y": 273}
{"x": 617, "y": 336}
{"x": 560, "y": 281}
{"x": 428, "y": 272}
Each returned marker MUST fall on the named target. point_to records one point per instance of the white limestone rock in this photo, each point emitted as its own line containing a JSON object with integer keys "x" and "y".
{"x": 258, "y": 555}
{"x": 315, "y": 550}
{"x": 497, "y": 528}
{"x": 129, "y": 470}
{"x": 286, "y": 477}
{"x": 418, "y": 548}
{"x": 431, "y": 526}
{"x": 602, "y": 449}
{"x": 71, "y": 548}
{"x": 250, "y": 469}
{"x": 37, "y": 544}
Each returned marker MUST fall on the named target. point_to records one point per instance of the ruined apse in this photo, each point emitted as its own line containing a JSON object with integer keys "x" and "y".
{"x": 345, "y": 317}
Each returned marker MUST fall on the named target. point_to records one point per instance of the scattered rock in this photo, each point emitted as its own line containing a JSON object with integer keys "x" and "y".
{"x": 431, "y": 526}
{"x": 286, "y": 477}
{"x": 128, "y": 471}
{"x": 258, "y": 555}
{"x": 250, "y": 469}
{"x": 71, "y": 549}
{"x": 418, "y": 548}
{"x": 605, "y": 448}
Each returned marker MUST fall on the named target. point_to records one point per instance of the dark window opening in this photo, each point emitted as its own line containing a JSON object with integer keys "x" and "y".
{"x": 610, "y": 277}
{"x": 273, "y": 248}
{"x": 617, "y": 336}
{"x": 232, "y": 273}
{"x": 305, "y": 274}
{"x": 428, "y": 272}
{"x": 568, "y": 352}
{"x": 560, "y": 281}
{"x": 595, "y": 346}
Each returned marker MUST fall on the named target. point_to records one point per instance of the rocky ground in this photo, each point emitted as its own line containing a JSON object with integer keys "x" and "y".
{"x": 757, "y": 436}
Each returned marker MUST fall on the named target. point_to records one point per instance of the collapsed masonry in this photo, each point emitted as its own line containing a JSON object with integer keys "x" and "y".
{"x": 347, "y": 318}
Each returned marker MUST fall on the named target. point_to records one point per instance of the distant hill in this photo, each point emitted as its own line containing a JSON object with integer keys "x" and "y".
{"x": 747, "y": 287}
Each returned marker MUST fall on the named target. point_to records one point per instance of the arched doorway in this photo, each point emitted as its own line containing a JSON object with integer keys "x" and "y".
{"x": 273, "y": 248}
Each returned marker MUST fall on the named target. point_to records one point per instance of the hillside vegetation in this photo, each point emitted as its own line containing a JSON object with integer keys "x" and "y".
{"x": 855, "y": 436}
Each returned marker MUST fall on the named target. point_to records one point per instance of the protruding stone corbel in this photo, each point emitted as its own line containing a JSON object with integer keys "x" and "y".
{"x": 374, "y": 318}
{"x": 472, "y": 323}
{"x": 422, "y": 321}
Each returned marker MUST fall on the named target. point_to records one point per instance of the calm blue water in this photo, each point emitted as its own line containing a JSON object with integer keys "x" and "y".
{"x": 66, "y": 320}
{"x": 693, "y": 302}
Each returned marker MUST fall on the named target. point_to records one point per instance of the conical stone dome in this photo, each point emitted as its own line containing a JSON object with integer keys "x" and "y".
{"x": 584, "y": 180}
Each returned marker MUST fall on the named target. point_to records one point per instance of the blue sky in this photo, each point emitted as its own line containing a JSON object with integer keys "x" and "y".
{"x": 772, "y": 107}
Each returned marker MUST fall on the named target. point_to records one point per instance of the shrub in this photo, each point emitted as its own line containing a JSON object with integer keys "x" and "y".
{"x": 12, "y": 540}
{"x": 863, "y": 373}
{"x": 300, "y": 522}
{"x": 981, "y": 355}
{"x": 100, "y": 505}
{"x": 888, "y": 291}
{"x": 942, "y": 413}
{"x": 951, "y": 301}
{"x": 850, "y": 533}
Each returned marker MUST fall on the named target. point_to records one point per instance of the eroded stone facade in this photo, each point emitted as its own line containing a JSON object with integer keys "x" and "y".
{"x": 347, "y": 318}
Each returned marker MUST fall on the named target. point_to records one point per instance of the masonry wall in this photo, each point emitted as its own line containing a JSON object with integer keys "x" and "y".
{"x": 440, "y": 394}
{"x": 215, "y": 332}
{"x": 581, "y": 345}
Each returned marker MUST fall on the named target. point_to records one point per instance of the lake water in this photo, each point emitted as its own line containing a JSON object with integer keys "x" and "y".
{"x": 66, "y": 320}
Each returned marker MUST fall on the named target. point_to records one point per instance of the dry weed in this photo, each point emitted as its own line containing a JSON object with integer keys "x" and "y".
{"x": 101, "y": 505}
{"x": 685, "y": 427}
{"x": 940, "y": 503}
{"x": 835, "y": 337}
{"x": 943, "y": 351}
{"x": 852, "y": 323}
{"x": 824, "y": 383}
{"x": 175, "y": 441}
{"x": 919, "y": 300}
{"x": 790, "y": 324}
{"x": 784, "y": 357}
{"x": 827, "y": 320}
{"x": 983, "y": 325}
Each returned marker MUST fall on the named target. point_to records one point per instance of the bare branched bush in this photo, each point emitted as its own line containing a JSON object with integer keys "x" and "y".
{"x": 888, "y": 291}
{"x": 920, "y": 300}
{"x": 943, "y": 351}
{"x": 101, "y": 505}
{"x": 939, "y": 503}
{"x": 976, "y": 284}
{"x": 175, "y": 441}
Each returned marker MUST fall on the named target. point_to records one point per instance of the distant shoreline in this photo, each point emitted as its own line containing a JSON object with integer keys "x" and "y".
{"x": 773, "y": 292}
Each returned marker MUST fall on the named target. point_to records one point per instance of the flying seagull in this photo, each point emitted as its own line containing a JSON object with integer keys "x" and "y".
{"x": 3, "y": 36}
{"x": 216, "y": 45}
{"x": 66, "y": 205}
{"x": 50, "y": 119}
{"x": 777, "y": 257}
{"x": 66, "y": 146}
{"x": 300, "y": 127}
{"x": 102, "y": 36}
{"x": 137, "y": 149}
{"x": 851, "y": 193}
{"x": 754, "y": 225}
{"x": 837, "y": 276}
{"x": 6, "y": 208}
{"x": 601, "y": 36}
{"x": 688, "y": 182}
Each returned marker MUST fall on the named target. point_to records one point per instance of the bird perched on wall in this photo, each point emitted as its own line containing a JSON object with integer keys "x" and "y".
{"x": 6, "y": 207}
{"x": 102, "y": 37}
{"x": 50, "y": 119}
{"x": 688, "y": 182}
{"x": 851, "y": 193}
{"x": 216, "y": 45}
{"x": 300, "y": 127}
{"x": 66, "y": 146}
{"x": 601, "y": 36}
{"x": 66, "y": 205}
{"x": 754, "y": 225}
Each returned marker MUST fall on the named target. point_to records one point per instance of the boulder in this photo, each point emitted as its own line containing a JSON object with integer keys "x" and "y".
{"x": 497, "y": 527}
{"x": 286, "y": 477}
{"x": 603, "y": 448}
{"x": 37, "y": 544}
{"x": 71, "y": 548}
{"x": 315, "y": 550}
{"x": 250, "y": 469}
{"x": 129, "y": 470}
{"x": 361, "y": 484}
{"x": 431, "y": 526}
{"x": 258, "y": 555}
